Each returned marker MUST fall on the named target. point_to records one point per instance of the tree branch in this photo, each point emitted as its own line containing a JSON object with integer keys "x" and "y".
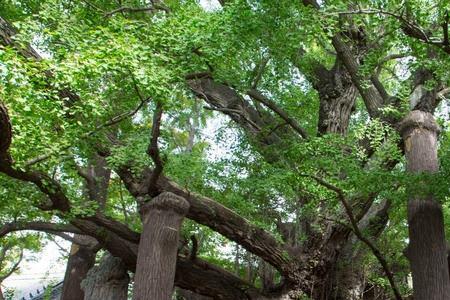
{"x": 279, "y": 111}
{"x": 114, "y": 120}
{"x": 48, "y": 227}
{"x": 153, "y": 151}
{"x": 14, "y": 268}
{"x": 349, "y": 211}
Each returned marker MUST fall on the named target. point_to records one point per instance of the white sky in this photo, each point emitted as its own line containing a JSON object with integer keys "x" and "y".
{"x": 37, "y": 270}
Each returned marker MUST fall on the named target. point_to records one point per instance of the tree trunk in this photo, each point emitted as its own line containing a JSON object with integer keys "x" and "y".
{"x": 109, "y": 280}
{"x": 81, "y": 260}
{"x": 427, "y": 251}
{"x": 337, "y": 96}
{"x": 157, "y": 254}
{"x": 188, "y": 295}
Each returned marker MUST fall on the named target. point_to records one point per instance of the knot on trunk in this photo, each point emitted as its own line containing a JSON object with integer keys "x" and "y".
{"x": 167, "y": 201}
{"x": 418, "y": 119}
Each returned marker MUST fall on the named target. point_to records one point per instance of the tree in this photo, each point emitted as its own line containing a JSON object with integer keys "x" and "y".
{"x": 314, "y": 181}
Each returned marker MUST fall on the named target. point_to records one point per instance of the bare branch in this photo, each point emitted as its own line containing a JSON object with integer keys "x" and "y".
{"x": 279, "y": 111}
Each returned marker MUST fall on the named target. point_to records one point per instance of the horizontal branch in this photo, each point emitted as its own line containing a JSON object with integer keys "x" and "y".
{"x": 216, "y": 282}
{"x": 224, "y": 98}
{"x": 221, "y": 219}
{"x": 122, "y": 230}
{"x": 38, "y": 226}
{"x": 190, "y": 274}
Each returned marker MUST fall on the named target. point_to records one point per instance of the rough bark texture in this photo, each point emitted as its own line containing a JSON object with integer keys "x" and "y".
{"x": 157, "y": 255}
{"x": 109, "y": 280}
{"x": 337, "y": 95}
{"x": 81, "y": 260}
{"x": 427, "y": 250}
{"x": 188, "y": 295}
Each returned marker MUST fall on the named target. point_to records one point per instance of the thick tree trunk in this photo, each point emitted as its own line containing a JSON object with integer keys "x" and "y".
{"x": 157, "y": 254}
{"x": 81, "y": 260}
{"x": 109, "y": 280}
{"x": 427, "y": 251}
{"x": 337, "y": 96}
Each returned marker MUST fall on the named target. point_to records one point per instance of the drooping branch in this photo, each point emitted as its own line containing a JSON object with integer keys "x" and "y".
{"x": 210, "y": 213}
{"x": 213, "y": 279}
{"x": 355, "y": 227}
{"x": 44, "y": 183}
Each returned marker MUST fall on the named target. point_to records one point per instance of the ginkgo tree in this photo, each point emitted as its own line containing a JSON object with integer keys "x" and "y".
{"x": 327, "y": 182}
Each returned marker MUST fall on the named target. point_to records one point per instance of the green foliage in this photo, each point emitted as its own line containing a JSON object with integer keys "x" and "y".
{"x": 115, "y": 62}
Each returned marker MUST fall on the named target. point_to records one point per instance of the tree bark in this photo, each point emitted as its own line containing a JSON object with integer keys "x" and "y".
{"x": 427, "y": 251}
{"x": 188, "y": 295}
{"x": 109, "y": 280}
{"x": 157, "y": 254}
{"x": 81, "y": 260}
